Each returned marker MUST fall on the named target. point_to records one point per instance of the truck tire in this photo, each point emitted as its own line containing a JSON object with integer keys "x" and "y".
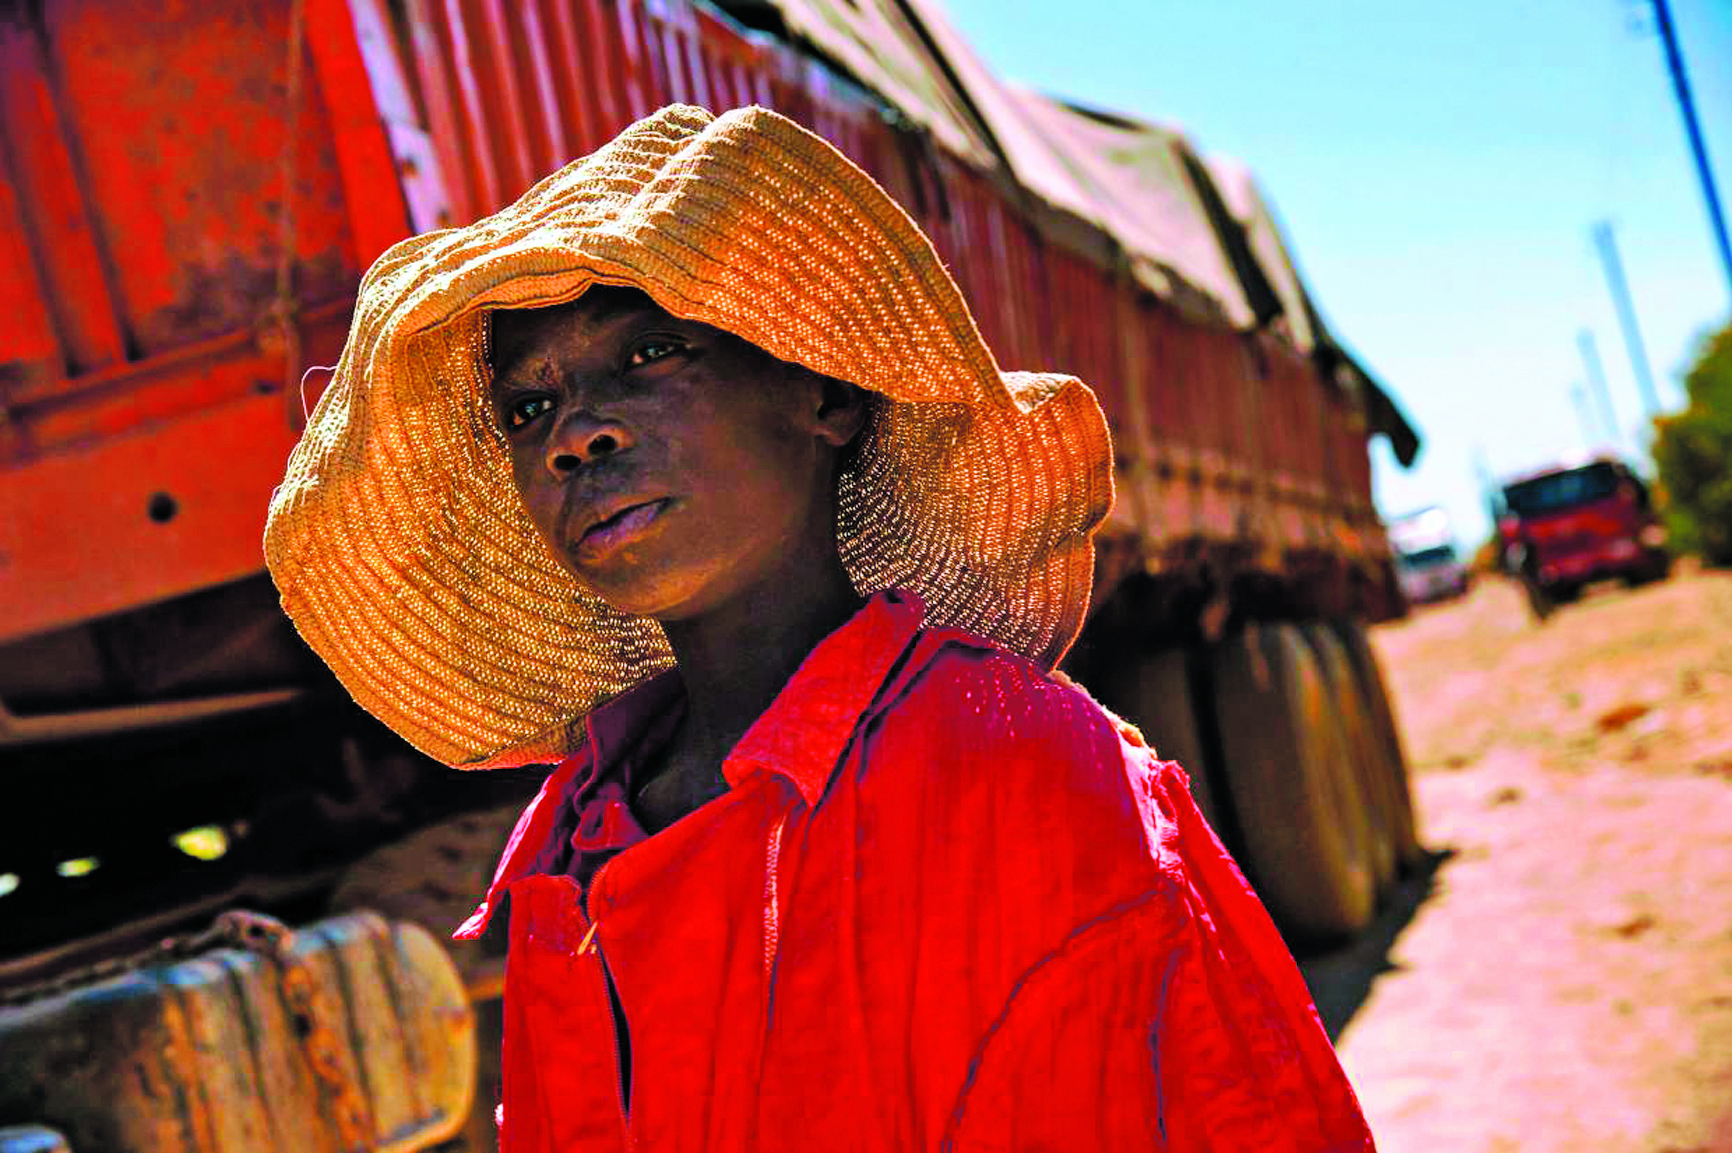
{"x": 1365, "y": 752}
{"x": 1656, "y": 566}
{"x": 1153, "y": 692}
{"x": 1399, "y": 812}
{"x": 1540, "y": 602}
{"x": 1282, "y": 747}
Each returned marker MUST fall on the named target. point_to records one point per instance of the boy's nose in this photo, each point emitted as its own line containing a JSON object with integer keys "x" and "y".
{"x": 582, "y": 441}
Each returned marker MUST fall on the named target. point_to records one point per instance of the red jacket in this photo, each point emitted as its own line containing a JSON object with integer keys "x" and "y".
{"x": 945, "y": 904}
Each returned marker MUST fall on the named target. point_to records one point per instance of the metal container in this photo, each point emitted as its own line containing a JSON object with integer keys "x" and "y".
{"x": 349, "y": 1034}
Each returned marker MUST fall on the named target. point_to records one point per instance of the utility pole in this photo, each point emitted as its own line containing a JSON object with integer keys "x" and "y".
{"x": 1638, "y": 353}
{"x": 1488, "y": 487}
{"x": 1585, "y": 414}
{"x": 1597, "y": 379}
{"x": 1687, "y": 105}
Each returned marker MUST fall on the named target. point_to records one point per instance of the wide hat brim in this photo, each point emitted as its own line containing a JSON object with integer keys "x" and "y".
{"x": 397, "y": 539}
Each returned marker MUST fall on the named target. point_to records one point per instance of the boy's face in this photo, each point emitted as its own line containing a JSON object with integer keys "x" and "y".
{"x": 670, "y": 465}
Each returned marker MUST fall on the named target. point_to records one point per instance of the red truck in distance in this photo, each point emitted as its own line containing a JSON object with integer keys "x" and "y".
{"x": 1565, "y": 527}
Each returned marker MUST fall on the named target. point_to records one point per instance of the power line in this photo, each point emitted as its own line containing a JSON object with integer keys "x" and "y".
{"x": 1687, "y": 105}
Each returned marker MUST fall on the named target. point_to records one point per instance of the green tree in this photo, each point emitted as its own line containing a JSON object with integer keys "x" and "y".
{"x": 1693, "y": 456}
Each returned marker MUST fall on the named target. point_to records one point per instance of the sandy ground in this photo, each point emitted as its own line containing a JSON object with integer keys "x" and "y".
{"x": 1562, "y": 977}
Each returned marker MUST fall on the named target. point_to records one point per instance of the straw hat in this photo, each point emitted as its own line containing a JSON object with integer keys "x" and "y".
{"x": 402, "y": 550}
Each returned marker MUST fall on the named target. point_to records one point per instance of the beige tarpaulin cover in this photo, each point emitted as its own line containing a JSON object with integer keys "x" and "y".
{"x": 1197, "y": 235}
{"x": 1304, "y": 327}
{"x": 1127, "y": 178}
{"x": 1131, "y": 181}
{"x": 879, "y": 44}
{"x": 1245, "y": 200}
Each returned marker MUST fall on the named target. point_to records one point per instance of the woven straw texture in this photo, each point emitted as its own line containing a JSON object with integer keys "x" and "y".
{"x": 397, "y": 539}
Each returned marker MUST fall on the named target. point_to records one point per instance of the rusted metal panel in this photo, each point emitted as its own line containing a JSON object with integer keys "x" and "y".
{"x": 423, "y": 113}
{"x": 506, "y": 113}
{"x": 351, "y": 87}
{"x": 442, "y": 106}
{"x": 186, "y": 192}
{"x": 30, "y": 352}
{"x": 532, "y": 43}
{"x": 490, "y": 180}
{"x": 158, "y": 512}
{"x": 50, "y": 192}
{"x": 353, "y": 1033}
{"x": 162, "y": 293}
{"x": 422, "y": 168}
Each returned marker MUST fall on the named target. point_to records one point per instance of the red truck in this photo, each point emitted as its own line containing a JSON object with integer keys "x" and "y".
{"x": 189, "y": 194}
{"x": 1566, "y": 526}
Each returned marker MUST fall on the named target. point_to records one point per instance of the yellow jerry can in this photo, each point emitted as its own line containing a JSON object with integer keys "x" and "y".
{"x": 349, "y": 1034}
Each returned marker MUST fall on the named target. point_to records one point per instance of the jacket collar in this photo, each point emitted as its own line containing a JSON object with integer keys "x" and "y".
{"x": 802, "y": 735}
{"x": 804, "y": 732}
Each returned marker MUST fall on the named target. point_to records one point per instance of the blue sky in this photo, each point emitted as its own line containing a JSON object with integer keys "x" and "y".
{"x": 1437, "y": 168}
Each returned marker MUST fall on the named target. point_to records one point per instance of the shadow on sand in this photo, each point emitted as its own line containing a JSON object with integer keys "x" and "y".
{"x": 1340, "y": 978}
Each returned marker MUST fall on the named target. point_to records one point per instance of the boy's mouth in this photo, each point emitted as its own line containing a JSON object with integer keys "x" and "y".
{"x": 618, "y": 529}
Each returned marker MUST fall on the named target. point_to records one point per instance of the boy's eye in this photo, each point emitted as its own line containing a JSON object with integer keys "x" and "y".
{"x": 652, "y": 350}
{"x": 525, "y": 409}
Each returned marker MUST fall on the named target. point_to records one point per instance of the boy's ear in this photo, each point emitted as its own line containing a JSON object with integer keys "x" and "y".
{"x": 841, "y": 411}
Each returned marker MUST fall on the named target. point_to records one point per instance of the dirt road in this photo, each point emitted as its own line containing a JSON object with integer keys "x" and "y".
{"x": 1562, "y": 980}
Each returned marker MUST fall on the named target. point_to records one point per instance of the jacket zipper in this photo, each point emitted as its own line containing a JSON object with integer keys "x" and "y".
{"x": 589, "y": 944}
{"x": 772, "y": 914}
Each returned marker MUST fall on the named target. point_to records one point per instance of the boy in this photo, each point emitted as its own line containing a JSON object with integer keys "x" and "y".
{"x": 691, "y": 472}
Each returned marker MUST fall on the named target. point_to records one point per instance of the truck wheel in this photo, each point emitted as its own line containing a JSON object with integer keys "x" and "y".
{"x": 1153, "y": 692}
{"x": 1399, "y": 812}
{"x": 1305, "y": 842}
{"x": 1365, "y": 755}
{"x": 1540, "y": 601}
{"x": 1657, "y": 566}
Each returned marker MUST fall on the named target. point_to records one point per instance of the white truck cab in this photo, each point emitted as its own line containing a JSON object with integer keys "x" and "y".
{"x": 1426, "y": 558}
